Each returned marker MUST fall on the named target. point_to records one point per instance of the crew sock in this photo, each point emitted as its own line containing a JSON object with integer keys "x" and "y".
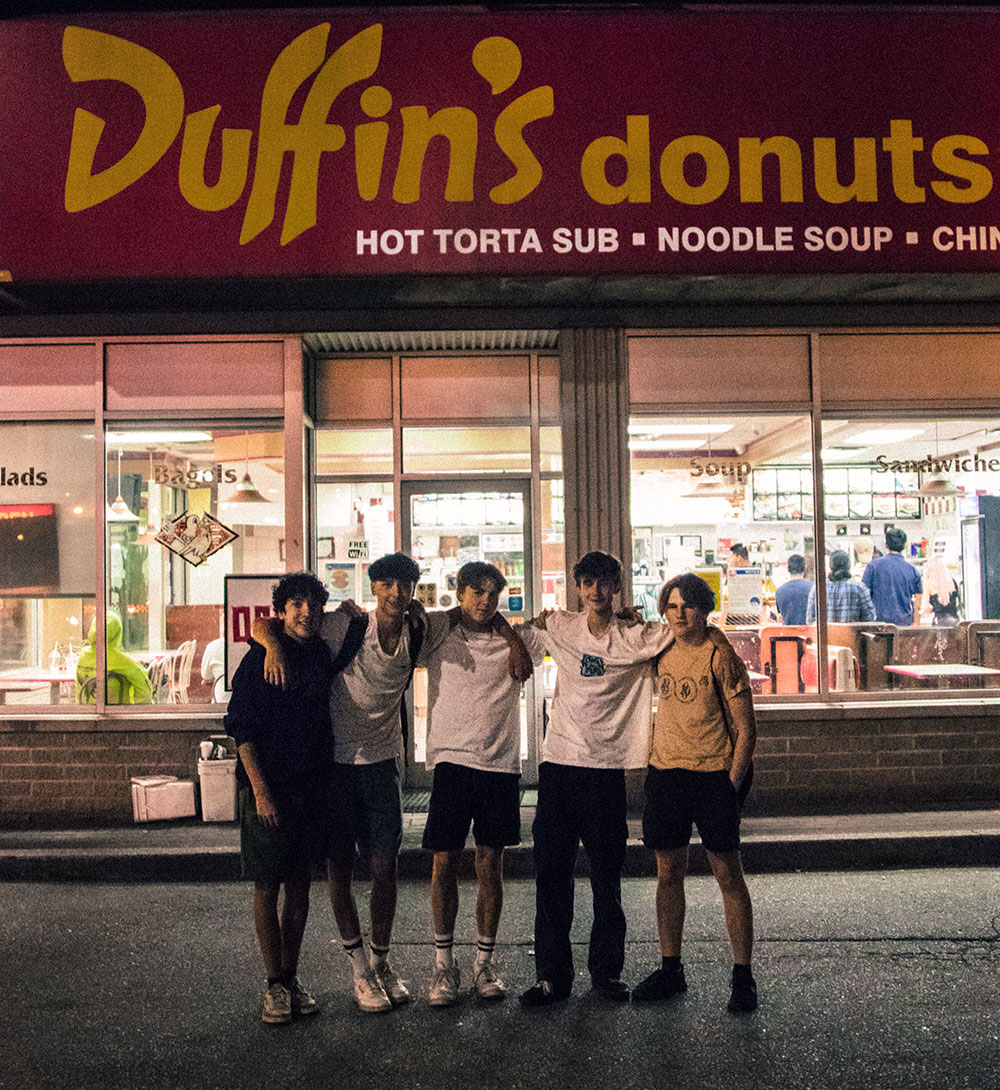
{"x": 484, "y": 950}
{"x": 355, "y": 951}
{"x": 741, "y": 974}
{"x": 379, "y": 955}
{"x": 671, "y": 965}
{"x": 444, "y": 955}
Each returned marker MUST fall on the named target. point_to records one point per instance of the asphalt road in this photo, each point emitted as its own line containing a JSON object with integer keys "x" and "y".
{"x": 881, "y": 980}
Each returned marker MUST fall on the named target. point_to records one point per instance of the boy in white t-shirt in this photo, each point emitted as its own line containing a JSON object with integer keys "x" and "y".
{"x": 599, "y": 726}
{"x": 474, "y": 748}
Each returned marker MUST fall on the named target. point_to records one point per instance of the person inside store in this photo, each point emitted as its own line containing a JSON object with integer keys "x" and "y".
{"x": 285, "y": 748}
{"x": 847, "y": 600}
{"x": 739, "y": 557}
{"x": 942, "y": 592}
{"x": 895, "y": 584}
{"x": 213, "y": 665}
{"x": 700, "y": 769}
{"x": 792, "y": 597}
{"x": 127, "y": 681}
{"x": 476, "y": 760}
{"x": 599, "y": 726}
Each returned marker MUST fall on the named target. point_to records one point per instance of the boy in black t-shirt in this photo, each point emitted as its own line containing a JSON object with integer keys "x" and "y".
{"x": 284, "y": 744}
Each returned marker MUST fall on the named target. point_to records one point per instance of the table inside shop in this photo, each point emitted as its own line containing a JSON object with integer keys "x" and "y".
{"x": 937, "y": 671}
{"x": 24, "y": 681}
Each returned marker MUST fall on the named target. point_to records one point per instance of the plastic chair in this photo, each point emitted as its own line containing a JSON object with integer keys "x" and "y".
{"x": 185, "y": 657}
{"x": 161, "y": 678}
{"x": 118, "y": 691}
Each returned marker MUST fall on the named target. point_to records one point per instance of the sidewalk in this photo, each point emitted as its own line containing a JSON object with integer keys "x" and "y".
{"x": 191, "y": 850}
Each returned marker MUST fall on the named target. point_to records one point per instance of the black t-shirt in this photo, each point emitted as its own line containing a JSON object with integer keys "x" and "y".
{"x": 290, "y": 728}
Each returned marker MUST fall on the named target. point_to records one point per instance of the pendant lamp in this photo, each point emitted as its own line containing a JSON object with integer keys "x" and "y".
{"x": 119, "y": 510}
{"x": 246, "y": 490}
{"x": 938, "y": 486}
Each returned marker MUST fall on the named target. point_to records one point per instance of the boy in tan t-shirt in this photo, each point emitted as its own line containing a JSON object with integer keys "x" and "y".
{"x": 699, "y": 772}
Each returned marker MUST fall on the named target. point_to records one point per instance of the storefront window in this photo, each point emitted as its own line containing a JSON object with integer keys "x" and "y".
{"x": 361, "y": 452}
{"x": 480, "y": 450}
{"x": 925, "y": 544}
{"x": 186, "y": 505}
{"x": 355, "y": 523}
{"x": 730, "y": 498}
{"x": 46, "y": 559}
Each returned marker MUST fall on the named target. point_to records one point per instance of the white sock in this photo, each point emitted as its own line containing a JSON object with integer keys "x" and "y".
{"x": 444, "y": 955}
{"x": 355, "y": 951}
{"x": 379, "y": 955}
{"x": 484, "y": 950}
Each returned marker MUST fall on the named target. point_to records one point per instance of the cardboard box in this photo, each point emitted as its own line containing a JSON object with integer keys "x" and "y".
{"x": 155, "y": 798}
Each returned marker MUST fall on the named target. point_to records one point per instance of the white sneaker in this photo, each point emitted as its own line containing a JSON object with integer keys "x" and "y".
{"x": 370, "y": 994}
{"x": 277, "y": 1005}
{"x": 487, "y": 982}
{"x": 444, "y": 987}
{"x": 394, "y": 988}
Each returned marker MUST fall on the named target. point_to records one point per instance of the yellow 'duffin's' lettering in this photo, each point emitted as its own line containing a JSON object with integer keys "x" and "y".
{"x": 310, "y": 136}
{"x": 92, "y": 55}
{"x": 498, "y": 61}
{"x": 370, "y": 141}
{"x": 634, "y": 149}
{"x": 235, "y": 162}
{"x": 460, "y": 128}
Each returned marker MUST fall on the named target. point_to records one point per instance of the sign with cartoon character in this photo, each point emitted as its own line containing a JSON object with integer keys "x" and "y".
{"x": 195, "y": 537}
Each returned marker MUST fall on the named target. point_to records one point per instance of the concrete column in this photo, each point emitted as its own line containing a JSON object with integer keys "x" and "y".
{"x": 593, "y": 385}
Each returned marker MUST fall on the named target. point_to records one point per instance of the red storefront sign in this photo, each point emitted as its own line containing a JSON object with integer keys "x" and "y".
{"x": 323, "y": 144}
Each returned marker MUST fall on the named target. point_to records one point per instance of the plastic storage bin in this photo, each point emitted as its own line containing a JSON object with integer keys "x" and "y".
{"x": 218, "y": 789}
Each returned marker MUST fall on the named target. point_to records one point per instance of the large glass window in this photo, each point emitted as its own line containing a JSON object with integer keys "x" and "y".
{"x": 730, "y": 498}
{"x": 187, "y": 504}
{"x": 355, "y": 523}
{"x": 924, "y": 545}
{"x": 46, "y": 559}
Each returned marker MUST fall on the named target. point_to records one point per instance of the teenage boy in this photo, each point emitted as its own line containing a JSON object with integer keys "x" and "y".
{"x": 366, "y": 813}
{"x": 699, "y": 772}
{"x": 284, "y": 747}
{"x": 599, "y": 726}
{"x": 474, "y": 748}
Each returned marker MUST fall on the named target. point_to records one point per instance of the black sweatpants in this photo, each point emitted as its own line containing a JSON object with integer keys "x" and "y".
{"x": 579, "y": 804}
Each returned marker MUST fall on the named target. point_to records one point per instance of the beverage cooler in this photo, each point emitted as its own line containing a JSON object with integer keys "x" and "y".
{"x": 981, "y": 557}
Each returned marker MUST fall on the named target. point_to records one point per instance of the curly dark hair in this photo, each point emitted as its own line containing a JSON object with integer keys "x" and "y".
{"x": 298, "y": 584}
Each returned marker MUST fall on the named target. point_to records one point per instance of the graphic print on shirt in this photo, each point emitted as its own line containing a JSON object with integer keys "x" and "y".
{"x": 683, "y": 689}
{"x": 591, "y": 666}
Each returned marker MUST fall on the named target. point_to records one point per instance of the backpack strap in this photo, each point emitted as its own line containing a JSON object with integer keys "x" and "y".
{"x": 415, "y": 633}
{"x": 353, "y": 639}
{"x": 728, "y": 719}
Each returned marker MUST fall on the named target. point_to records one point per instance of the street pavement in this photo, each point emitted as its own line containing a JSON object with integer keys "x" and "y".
{"x": 869, "y": 980}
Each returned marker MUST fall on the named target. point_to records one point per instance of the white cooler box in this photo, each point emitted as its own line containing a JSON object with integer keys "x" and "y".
{"x": 156, "y": 798}
{"x": 218, "y": 789}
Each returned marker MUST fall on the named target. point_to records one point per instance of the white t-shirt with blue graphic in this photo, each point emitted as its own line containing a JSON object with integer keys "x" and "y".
{"x": 602, "y": 711}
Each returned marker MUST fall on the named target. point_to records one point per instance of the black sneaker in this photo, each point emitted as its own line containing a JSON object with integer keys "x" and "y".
{"x": 660, "y": 984}
{"x": 610, "y": 989}
{"x": 537, "y": 996}
{"x": 744, "y": 996}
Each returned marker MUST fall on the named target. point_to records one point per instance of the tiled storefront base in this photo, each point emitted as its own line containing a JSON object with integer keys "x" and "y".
{"x": 810, "y": 759}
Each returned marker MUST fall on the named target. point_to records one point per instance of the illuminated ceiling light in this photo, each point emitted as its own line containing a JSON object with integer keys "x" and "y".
{"x": 119, "y": 510}
{"x": 885, "y": 435}
{"x": 246, "y": 490}
{"x": 157, "y": 438}
{"x": 640, "y": 428}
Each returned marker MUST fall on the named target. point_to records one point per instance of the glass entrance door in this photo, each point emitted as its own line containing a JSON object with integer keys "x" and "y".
{"x": 445, "y": 525}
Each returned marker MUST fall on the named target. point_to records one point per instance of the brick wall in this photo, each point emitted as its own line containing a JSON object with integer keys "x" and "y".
{"x": 77, "y": 771}
{"x": 809, "y": 759}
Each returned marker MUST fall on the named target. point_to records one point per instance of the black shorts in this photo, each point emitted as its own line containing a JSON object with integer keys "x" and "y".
{"x": 294, "y": 847}
{"x": 676, "y": 798}
{"x": 489, "y": 801}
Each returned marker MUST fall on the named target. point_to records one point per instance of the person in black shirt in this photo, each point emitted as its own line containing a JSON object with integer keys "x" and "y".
{"x": 284, "y": 742}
